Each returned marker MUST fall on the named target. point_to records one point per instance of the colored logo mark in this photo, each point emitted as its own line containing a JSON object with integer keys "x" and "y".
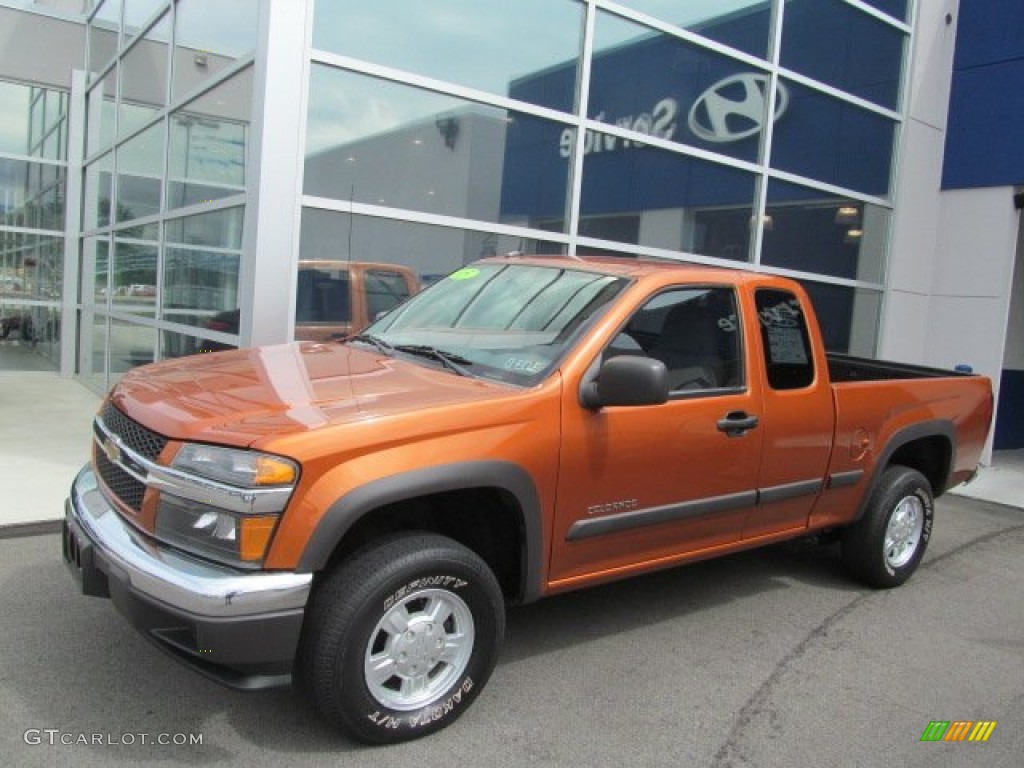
{"x": 958, "y": 730}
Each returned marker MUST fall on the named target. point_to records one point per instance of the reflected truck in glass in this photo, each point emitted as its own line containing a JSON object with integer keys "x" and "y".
{"x": 333, "y": 299}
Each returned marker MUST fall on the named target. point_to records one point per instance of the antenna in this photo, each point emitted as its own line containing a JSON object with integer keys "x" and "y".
{"x": 351, "y": 219}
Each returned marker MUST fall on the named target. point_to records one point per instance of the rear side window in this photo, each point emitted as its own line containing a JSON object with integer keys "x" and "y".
{"x": 323, "y": 296}
{"x": 787, "y": 345}
{"x": 385, "y": 290}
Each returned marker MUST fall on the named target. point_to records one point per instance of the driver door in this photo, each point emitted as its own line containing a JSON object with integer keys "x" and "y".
{"x": 643, "y": 486}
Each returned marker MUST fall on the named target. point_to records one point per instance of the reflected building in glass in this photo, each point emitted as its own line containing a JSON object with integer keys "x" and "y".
{"x": 175, "y": 161}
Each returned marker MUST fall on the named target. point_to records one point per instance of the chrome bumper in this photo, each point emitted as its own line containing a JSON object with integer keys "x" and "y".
{"x": 241, "y": 629}
{"x": 170, "y": 577}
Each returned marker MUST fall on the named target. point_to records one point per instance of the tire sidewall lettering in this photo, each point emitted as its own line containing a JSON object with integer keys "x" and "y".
{"x": 426, "y": 582}
{"x": 926, "y": 501}
{"x": 428, "y": 715}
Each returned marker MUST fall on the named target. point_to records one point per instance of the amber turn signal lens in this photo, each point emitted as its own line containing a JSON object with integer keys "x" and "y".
{"x": 271, "y": 471}
{"x": 254, "y": 537}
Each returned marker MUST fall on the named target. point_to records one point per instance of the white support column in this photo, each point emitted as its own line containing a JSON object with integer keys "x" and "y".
{"x": 270, "y": 241}
{"x": 916, "y": 196}
{"x": 72, "y": 224}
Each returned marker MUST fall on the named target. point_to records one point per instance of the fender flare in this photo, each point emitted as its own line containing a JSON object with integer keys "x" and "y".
{"x": 933, "y": 428}
{"x": 504, "y": 475}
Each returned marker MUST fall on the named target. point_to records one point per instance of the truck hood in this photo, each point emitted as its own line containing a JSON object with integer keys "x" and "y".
{"x": 239, "y": 397}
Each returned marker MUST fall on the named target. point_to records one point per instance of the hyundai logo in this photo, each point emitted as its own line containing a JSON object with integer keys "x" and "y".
{"x": 734, "y": 108}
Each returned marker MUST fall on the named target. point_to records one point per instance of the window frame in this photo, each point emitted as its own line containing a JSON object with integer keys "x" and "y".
{"x": 743, "y": 368}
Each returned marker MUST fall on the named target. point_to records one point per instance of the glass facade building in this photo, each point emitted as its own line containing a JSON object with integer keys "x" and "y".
{"x": 162, "y": 199}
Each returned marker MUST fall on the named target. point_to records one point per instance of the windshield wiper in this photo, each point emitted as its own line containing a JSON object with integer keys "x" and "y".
{"x": 373, "y": 341}
{"x": 449, "y": 360}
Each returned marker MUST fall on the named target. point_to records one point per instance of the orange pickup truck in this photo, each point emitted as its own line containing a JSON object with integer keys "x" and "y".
{"x": 354, "y": 517}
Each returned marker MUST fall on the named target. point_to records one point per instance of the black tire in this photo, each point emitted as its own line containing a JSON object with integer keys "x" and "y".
{"x": 886, "y": 545}
{"x": 442, "y": 593}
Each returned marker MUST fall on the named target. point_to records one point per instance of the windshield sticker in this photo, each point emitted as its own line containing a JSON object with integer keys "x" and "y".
{"x": 784, "y": 332}
{"x": 524, "y": 365}
{"x": 467, "y": 273}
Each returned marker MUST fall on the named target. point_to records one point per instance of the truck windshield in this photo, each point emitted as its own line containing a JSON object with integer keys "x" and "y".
{"x": 510, "y": 322}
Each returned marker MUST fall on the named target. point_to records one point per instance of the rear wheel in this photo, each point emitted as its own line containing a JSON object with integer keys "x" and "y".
{"x": 885, "y": 546}
{"x": 401, "y": 638}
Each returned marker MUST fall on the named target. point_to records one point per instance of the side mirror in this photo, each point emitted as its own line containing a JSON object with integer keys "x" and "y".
{"x": 627, "y": 380}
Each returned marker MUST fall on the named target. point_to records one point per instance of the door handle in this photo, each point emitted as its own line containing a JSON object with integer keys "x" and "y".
{"x": 737, "y": 423}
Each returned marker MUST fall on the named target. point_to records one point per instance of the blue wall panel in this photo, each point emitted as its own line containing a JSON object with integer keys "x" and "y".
{"x": 985, "y": 134}
{"x": 1010, "y": 417}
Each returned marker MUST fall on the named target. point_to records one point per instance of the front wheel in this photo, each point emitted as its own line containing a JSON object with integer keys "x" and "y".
{"x": 401, "y": 638}
{"x": 886, "y": 545}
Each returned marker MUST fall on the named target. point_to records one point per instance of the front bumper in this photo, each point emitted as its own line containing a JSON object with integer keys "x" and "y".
{"x": 239, "y": 628}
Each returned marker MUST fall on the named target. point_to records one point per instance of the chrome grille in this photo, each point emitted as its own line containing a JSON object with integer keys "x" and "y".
{"x": 129, "y": 490}
{"x": 143, "y": 441}
{"x": 135, "y": 437}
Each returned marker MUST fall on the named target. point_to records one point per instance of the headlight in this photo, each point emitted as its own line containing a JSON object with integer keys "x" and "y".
{"x": 247, "y": 469}
{"x": 230, "y": 510}
{"x": 231, "y": 538}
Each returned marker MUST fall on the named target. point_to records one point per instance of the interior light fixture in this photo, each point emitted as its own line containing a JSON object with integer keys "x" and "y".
{"x": 847, "y": 214}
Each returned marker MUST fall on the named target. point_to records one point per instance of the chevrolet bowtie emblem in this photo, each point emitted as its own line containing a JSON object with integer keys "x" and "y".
{"x": 111, "y": 449}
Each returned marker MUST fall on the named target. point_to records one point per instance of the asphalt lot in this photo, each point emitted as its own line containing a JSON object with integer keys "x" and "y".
{"x": 769, "y": 658}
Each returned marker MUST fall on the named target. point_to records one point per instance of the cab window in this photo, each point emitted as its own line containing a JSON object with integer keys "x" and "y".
{"x": 694, "y": 332}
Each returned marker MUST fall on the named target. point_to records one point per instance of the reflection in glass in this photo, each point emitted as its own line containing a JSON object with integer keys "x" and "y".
{"x": 102, "y": 40}
{"x": 31, "y": 195}
{"x": 133, "y": 278}
{"x": 430, "y": 251}
{"x": 812, "y": 231}
{"x": 36, "y": 331}
{"x": 483, "y": 44}
{"x": 174, "y": 344}
{"x": 136, "y": 14}
{"x": 92, "y": 353}
{"x": 139, "y": 168}
{"x": 198, "y": 285}
{"x": 98, "y": 180}
{"x": 838, "y": 44}
{"x": 654, "y": 198}
{"x": 48, "y": 118}
{"x": 211, "y": 36}
{"x": 217, "y": 229}
{"x": 848, "y": 317}
{"x": 35, "y": 120}
{"x": 833, "y": 141}
{"x": 31, "y": 267}
{"x": 96, "y": 271}
{"x": 131, "y": 345}
{"x": 101, "y": 114}
{"x": 896, "y": 8}
{"x": 208, "y": 145}
{"x": 377, "y": 142}
{"x": 742, "y": 24}
{"x": 46, "y": 334}
{"x": 144, "y": 78}
{"x": 710, "y": 100}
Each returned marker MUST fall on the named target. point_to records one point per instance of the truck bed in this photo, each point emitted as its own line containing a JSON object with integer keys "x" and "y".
{"x": 846, "y": 368}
